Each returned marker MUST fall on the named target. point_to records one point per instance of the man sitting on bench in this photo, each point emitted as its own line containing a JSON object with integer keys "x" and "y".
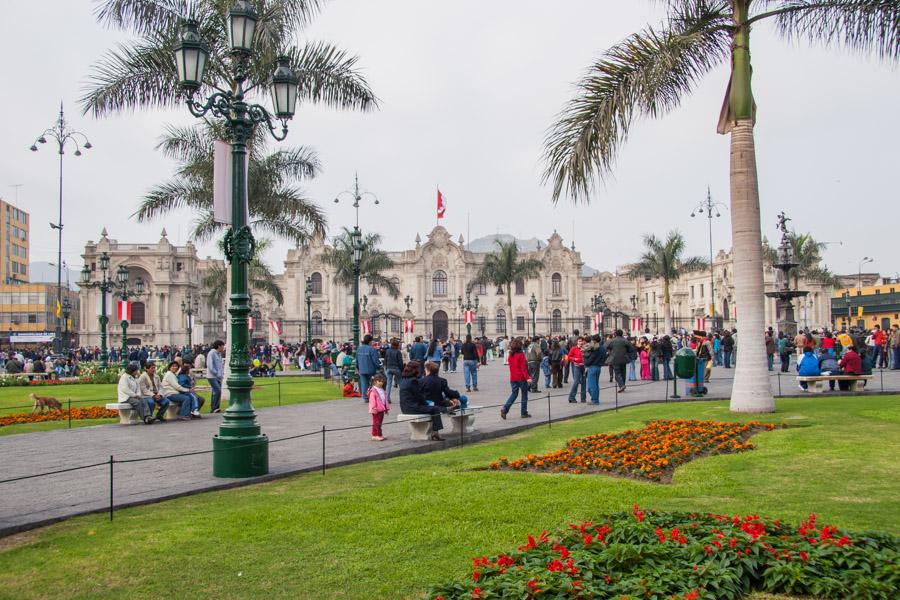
{"x": 412, "y": 401}
{"x": 436, "y": 390}
{"x": 851, "y": 364}
{"x": 828, "y": 365}
{"x": 808, "y": 366}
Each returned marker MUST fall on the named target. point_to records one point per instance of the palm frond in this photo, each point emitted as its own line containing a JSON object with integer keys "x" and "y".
{"x": 645, "y": 75}
{"x": 862, "y": 25}
{"x": 143, "y": 17}
{"x": 173, "y": 195}
{"x": 328, "y": 75}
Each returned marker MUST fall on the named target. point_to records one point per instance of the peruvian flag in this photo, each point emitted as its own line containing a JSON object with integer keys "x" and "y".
{"x": 701, "y": 324}
{"x": 470, "y": 317}
{"x": 441, "y": 205}
{"x": 249, "y": 322}
{"x": 596, "y": 325}
{"x": 636, "y": 324}
{"x": 276, "y": 326}
{"x": 408, "y": 325}
{"x": 365, "y": 326}
{"x": 599, "y": 318}
{"x": 123, "y": 310}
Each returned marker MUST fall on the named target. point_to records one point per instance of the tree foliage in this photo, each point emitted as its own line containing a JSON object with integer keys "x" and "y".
{"x": 374, "y": 262}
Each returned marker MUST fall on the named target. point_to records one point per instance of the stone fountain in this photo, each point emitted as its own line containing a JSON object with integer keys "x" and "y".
{"x": 785, "y": 262}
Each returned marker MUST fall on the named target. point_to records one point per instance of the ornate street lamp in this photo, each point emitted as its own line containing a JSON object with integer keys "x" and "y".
{"x": 308, "y": 310}
{"x": 64, "y": 136}
{"x": 709, "y": 206}
{"x": 239, "y": 450}
{"x": 190, "y": 307}
{"x": 106, "y": 284}
{"x": 66, "y": 311}
{"x": 125, "y": 294}
{"x": 533, "y": 304}
{"x": 598, "y": 305}
{"x": 468, "y": 306}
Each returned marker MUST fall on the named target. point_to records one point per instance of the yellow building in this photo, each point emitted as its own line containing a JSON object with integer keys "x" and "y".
{"x": 14, "y": 238}
{"x": 30, "y": 308}
{"x": 866, "y": 306}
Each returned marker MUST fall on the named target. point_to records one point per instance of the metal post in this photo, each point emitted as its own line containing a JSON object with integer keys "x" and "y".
{"x": 549, "y": 417}
{"x": 111, "y": 462}
{"x": 279, "y": 393}
{"x": 70, "y": 412}
{"x": 323, "y": 449}
{"x": 779, "y": 382}
{"x": 104, "y": 355}
{"x": 124, "y": 343}
{"x": 617, "y": 397}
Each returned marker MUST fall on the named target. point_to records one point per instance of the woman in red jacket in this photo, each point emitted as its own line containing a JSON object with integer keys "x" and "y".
{"x": 518, "y": 379}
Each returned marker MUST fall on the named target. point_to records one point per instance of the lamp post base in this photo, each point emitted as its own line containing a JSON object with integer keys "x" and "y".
{"x": 240, "y": 456}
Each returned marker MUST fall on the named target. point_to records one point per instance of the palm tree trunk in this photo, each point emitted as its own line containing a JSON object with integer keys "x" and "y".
{"x": 509, "y": 315}
{"x": 751, "y": 391}
{"x": 667, "y": 308}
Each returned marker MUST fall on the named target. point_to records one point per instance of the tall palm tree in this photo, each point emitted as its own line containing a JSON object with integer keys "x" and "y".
{"x": 503, "y": 268}
{"x": 259, "y": 275}
{"x": 664, "y": 260}
{"x": 649, "y": 73}
{"x": 807, "y": 252}
{"x": 276, "y": 205}
{"x": 372, "y": 265}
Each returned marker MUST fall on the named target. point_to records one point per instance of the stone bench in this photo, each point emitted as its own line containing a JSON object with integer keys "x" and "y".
{"x": 419, "y": 426}
{"x": 129, "y": 416}
{"x": 463, "y": 419}
{"x": 816, "y": 383}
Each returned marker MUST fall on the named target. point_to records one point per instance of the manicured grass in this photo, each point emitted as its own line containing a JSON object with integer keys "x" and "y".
{"x": 294, "y": 390}
{"x": 392, "y": 528}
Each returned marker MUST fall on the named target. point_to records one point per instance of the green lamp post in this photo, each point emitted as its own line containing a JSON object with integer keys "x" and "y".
{"x": 190, "y": 307}
{"x": 106, "y": 284}
{"x": 239, "y": 449}
{"x": 124, "y": 293}
{"x": 533, "y": 304}
{"x": 598, "y": 305}
{"x": 468, "y": 306}
{"x": 308, "y": 310}
{"x": 66, "y": 311}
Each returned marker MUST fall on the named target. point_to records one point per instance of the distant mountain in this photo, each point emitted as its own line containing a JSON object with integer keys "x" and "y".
{"x": 44, "y": 272}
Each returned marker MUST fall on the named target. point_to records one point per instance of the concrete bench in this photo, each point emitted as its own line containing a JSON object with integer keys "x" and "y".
{"x": 816, "y": 383}
{"x": 463, "y": 419}
{"x": 129, "y": 416}
{"x": 419, "y": 426}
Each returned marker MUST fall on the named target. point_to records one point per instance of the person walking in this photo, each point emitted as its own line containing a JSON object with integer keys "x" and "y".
{"x": 594, "y": 354}
{"x": 895, "y": 347}
{"x": 379, "y": 405}
{"x": 665, "y": 356}
{"x": 533, "y": 359}
{"x": 576, "y": 359}
{"x": 215, "y": 372}
{"x": 469, "y": 353}
{"x": 519, "y": 380}
{"x": 727, "y": 348}
{"x": 632, "y": 359}
{"x": 393, "y": 366}
{"x": 618, "y": 349}
{"x": 367, "y": 364}
{"x": 771, "y": 348}
{"x": 556, "y": 358}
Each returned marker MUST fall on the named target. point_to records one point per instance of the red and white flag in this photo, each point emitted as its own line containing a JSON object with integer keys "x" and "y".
{"x": 595, "y": 324}
{"x": 599, "y": 318}
{"x": 123, "y": 310}
{"x": 470, "y": 317}
{"x": 441, "y": 205}
{"x": 635, "y": 324}
{"x": 276, "y": 326}
{"x": 365, "y": 327}
{"x": 408, "y": 325}
{"x": 249, "y": 322}
{"x": 701, "y": 324}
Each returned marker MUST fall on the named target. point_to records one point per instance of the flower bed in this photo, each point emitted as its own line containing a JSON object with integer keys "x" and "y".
{"x": 91, "y": 412}
{"x": 652, "y": 452}
{"x": 650, "y": 554}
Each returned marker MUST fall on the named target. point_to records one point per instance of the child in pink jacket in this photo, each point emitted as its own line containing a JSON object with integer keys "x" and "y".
{"x": 378, "y": 405}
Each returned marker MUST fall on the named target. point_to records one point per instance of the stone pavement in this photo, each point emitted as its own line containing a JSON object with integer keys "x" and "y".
{"x": 27, "y": 503}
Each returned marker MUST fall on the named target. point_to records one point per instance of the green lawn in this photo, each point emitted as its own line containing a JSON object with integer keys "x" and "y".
{"x": 391, "y": 528}
{"x": 293, "y": 390}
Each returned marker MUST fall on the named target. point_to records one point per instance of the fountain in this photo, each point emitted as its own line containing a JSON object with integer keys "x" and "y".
{"x": 785, "y": 307}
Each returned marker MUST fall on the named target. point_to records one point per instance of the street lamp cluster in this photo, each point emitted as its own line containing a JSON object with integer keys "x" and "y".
{"x": 240, "y": 450}
{"x": 708, "y": 206}
{"x": 119, "y": 286}
{"x": 468, "y": 307}
{"x": 190, "y": 306}
{"x": 599, "y": 306}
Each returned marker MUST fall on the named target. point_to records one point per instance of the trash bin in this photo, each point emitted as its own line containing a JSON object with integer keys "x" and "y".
{"x": 686, "y": 363}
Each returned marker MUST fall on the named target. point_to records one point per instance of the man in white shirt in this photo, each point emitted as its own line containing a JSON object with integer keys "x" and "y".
{"x": 130, "y": 392}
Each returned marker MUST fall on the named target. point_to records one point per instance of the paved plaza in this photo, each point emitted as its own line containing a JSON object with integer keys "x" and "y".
{"x": 29, "y": 502}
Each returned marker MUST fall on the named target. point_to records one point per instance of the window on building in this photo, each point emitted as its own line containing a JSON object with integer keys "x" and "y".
{"x": 500, "y": 291}
{"x": 692, "y": 292}
{"x": 520, "y": 287}
{"x": 138, "y": 313}
{"x": 395, "y": 324}
{"x": 316, "y": 284}
{"x": 479, "y": 289}
{"x": 375, "y": 321}
{"x": 556, "y": 284}
{"x": 501, "y": 321}
{"x": 32, "y": 318}
{"x": 439, "y": 283}
{"x": 520, "y": 323}
{"x": 482, "y": 323}
{"x": 179, "y": 266}
{"x": 556, "y": 321}
{"x": 316, "y": 320}
{"x": 701, "y": 290}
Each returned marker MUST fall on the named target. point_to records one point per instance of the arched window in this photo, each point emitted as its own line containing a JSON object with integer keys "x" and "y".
{"x": 520, "y": 287}
{"x": 556, "y": 321}
{"x": 439, "y": 283}
{"x": 316, "y": 284}
{"x": 316, "y": 325}
{"x": 556, "y": 284}
{"x": 395, "y": 324}
{"x": 479, "y": 289}
{"x": 138, "y": 313}
{"x": 375, "y": 320}
{"x": 501, "y": 321}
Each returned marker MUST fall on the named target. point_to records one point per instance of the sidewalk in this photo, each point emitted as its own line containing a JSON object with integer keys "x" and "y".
{"x": 27, "y": 503}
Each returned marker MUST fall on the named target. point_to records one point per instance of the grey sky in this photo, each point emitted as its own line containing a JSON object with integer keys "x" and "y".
{"x": 467, "y": 90}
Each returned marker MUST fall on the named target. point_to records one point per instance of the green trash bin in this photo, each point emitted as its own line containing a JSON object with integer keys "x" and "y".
{"x": 686, "y": 363}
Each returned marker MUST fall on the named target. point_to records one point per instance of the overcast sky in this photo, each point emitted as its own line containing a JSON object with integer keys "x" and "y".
{"x": 467, "y": 90}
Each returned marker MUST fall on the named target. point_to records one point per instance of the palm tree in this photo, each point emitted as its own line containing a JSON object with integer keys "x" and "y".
{"x": 649, "y": 73}
{"x": 373, "y": 262}
{"x": 807, "y": 252}
{"x": 275, "y": 204}
{"x": 503, "y": 268}
{"x": 663, "y": 260}
{"x": 260, "y": 276}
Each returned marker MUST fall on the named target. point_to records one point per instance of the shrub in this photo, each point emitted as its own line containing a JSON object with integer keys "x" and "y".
{"x": 650, "y": 554}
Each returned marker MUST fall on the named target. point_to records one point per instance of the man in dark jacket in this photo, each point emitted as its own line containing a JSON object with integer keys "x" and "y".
{"x": 533, "y": 360}
{"x": 594, "y": 356}
{"x": 418, "y": 350}
{"x": 619, "y": 349}
{"x": 367, "y": 364}
{"x": 393, "y": 366}
{"x": 435, "y": 389}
